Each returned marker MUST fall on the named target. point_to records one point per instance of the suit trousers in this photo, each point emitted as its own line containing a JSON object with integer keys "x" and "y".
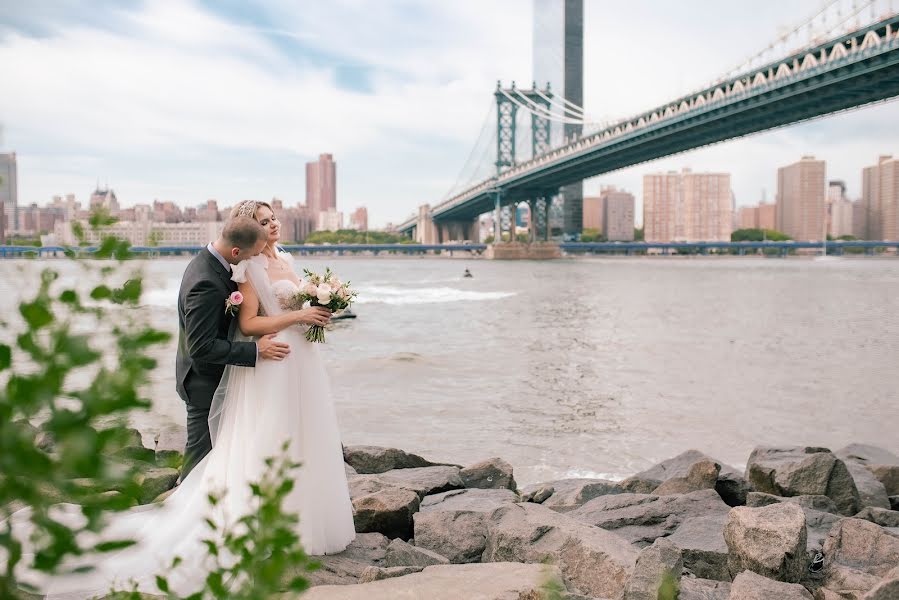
{"x": 199, "y": 442}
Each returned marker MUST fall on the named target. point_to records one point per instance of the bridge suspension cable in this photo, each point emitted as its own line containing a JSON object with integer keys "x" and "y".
{"x": 477, "y": 155}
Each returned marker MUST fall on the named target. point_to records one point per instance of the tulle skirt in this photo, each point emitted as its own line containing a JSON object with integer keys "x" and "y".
{"x": 263, "y": 407}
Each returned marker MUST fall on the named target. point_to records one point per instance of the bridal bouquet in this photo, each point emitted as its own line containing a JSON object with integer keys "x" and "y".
{"x": 319, "y": 290}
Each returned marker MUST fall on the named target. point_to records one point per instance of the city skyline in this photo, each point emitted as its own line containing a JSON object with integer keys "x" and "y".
{"x": 255, "y": 102}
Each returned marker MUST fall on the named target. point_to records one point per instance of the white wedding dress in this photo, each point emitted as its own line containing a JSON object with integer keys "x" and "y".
{"x": 255, "y": 411}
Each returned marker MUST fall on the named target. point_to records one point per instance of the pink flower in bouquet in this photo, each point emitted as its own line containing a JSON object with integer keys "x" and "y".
{"x": 310, "y": 289}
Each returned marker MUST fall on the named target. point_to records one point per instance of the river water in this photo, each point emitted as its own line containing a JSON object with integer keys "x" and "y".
{"x": 588, "y": 367}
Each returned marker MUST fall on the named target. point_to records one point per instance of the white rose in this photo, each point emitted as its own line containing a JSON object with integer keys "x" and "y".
{"x": 323, "y": 292}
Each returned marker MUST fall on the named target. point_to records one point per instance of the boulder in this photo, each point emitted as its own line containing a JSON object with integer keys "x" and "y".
{"x": 730, "y": 484}
{"x": 563, "y": 495}
{"x": 169, "y": 458}
{"x": 497, "y": 581}
{"x": 657, "y": 572}
{"x": 349, "y": 470}
{"x": 402, "y": 554}
{"x": 480, "y": 500}
{"x": 425, "y": 480}
{"x": 894, "y": 502}
{"x": 347, "y": 567}
{"x": 378, "y": 573}
{"x": 493, "y": 473}
{"x": 871, "y": 492}
{"x": 814, "y": 502}
{"x": 537, "y": 493}
{"x": 751, "y": 586}
{"x": 703, "y": 475}
{"x": 704, "y": 551}
{"x": 641, "y": 518}
{"x": 888, "y": 475}
{"x": 154, "y": 481}
{"x": 862, "y": 546}
{"x": 593, "y": 561}
{"x": 692, "y": 588}
{"x": 460, "y": 536}
{"x": 454, "y": 523}
{"x": 799, "y": 470}
{"x": 388, "y": 510}
{"x": 888, "y": 589}
{"x": 770, "y": 541}
{"x": 377, "y": 459}
{"x": 881, "y": 516}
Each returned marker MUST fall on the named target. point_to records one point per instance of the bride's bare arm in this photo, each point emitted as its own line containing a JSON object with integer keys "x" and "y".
{"x": 251, "y": 323}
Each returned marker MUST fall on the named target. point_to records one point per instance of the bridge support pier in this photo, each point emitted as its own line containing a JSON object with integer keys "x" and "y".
{"x": 456, "y": 231}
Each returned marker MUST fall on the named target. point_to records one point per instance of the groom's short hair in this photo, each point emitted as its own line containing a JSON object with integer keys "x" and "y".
{"x": 243, "y": 232}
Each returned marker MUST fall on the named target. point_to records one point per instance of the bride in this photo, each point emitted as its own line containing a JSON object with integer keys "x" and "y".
{"x": 254, "y": 411}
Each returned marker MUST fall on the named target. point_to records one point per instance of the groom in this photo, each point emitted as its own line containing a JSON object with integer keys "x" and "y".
{"x": 205, "y": 329}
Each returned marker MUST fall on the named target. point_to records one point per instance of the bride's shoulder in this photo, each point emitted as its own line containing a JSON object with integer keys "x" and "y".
{"x": 239, "y": 271}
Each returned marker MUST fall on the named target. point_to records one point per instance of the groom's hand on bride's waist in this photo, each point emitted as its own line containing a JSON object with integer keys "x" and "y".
{"x": 271, "y": 349}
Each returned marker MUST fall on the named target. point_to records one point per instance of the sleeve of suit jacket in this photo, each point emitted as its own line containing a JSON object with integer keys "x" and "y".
{"x": 202, "y": 308}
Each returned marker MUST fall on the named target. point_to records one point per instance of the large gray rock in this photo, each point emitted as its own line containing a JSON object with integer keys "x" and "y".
{"x": 497, "y": 581}
{"x": 880, "y": 461}
{"x": 862, "y": 546}
{"x": 703, "y": 475}
{"x": 347, "y": 567}
{"x": 384, "y": 509}
{"x": 657, "y": 572}
{"x": 819, "y": 503}
{"x": 692, "y": 588}
{"x": 493, "y": 473}
{"x": 593, "y": 561}
{"x": 881, "y": 516}
{"x": 379, "y": 573}
{"x": 770, "y": 541}
{"x": 568, "y": 494}
{"x": 871, "y": 492}
{"x": 701, "y": 540}
{"x": 425, "y": 480}
{"x": 641, "y": 518}
{"x": 888, "y": 589}
{"x": 461, "y": 535}
{"x": 480, "y": 500}
{"x": 803, "y": 470}
{"x": 894, "y": 502}
{"x": 751, "y": 586}
{"x": 154, "y": 481}
{"x": 402, "y": 554}
{"x": 377, "y": 459}
{"x": 730, "y": 484}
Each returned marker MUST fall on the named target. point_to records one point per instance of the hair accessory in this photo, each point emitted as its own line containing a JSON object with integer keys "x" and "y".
{"x": 247, "y": 209}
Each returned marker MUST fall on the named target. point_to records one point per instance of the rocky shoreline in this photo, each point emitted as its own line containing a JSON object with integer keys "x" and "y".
{"x": 799, "y": 523}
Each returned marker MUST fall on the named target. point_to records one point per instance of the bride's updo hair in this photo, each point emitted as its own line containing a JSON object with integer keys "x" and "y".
{"x": 248, "y": 208}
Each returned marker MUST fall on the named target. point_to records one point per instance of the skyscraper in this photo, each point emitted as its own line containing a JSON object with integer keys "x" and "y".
{"x": 321, "y": 185}
{"x": 9, "y": 194}
{"x": 559, "y": 60}
{"x": 880, "y": 198}
{"x": 687, "y": 207}
{"x": 801, "y": 200}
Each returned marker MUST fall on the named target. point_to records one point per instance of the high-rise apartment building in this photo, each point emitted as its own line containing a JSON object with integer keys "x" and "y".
{"x": 687, "y": 206}
{"x": 618, "y": 215}
{"x": 321, "y": 184}
{"x": 593, "y": 212}
{"x": 880, "y": 198}
{"x": 839, "y": 210}
{"x": 359, "y": 219}
{"x": 801, "y": 199}
{"x": 9, "y": 195}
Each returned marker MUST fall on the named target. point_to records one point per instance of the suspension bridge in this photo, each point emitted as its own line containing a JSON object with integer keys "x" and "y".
{"x": 843, "y": 63}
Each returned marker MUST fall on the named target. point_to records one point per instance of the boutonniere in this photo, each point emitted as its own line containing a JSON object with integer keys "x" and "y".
{"x": 232, "y": 303}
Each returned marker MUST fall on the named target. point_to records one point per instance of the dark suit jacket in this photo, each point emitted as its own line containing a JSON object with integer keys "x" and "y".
{"x": 205, "y": 330}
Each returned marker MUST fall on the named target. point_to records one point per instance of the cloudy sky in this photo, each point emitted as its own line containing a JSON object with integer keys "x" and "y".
{"x": 187, "y": 100}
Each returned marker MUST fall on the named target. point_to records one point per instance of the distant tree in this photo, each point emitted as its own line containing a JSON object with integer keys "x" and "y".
{"x": 758, "y": 235}
{"x": 638, "y": 234}
{"x": 592, "y": 235}
{"x": 351, "y": 236}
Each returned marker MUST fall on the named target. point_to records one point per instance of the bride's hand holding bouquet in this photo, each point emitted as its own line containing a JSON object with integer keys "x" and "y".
{"x": 322, "y": 292}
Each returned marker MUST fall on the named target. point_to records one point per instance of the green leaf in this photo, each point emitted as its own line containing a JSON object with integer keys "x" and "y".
{"x": 162, "y": 583}
{"x": 5, "y": 357}
{"x": 113, "y": 545}
{"x": 36, "y": 314}
{"x": 101, "y": 292}
{"x": 69, "y": 297}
